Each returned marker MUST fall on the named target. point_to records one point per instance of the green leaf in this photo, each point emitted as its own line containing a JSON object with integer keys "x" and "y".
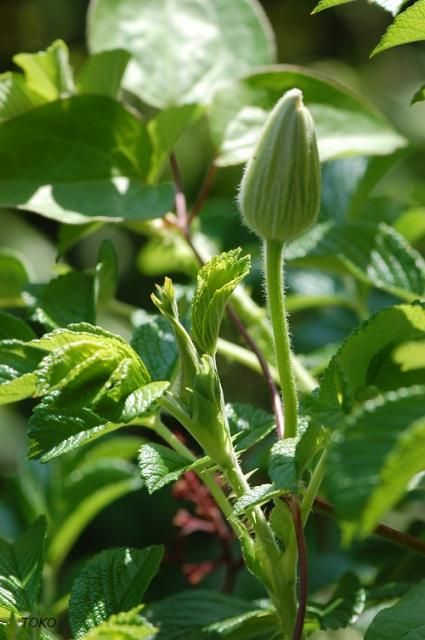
{"x": 14, "y": 277}
{"x": 393, "y": 6}
{"x": 248, "y": 425}
{"x": 154, "y": 341}
{"x": 373, "y": 253}
{"x": 409, "y": 26}
{"x": 256, "y": 496}
{"x": 123, "y": 626}
{"x": 48, "y": 73}
{"x": 405, "y": 620}
{"x": 65, "y": 162}
{"x": 359, "y": 368}
{"x": 160, "y": 466}
{"x": 21, "y": 565}
{"x": 67, "y": 299}
{"x": 166, "y": 129}
{"x": 345, "y": 606}
{"x": 15, "y": 96}
{"x": 185, "y": 616}
{"x": 107, "y": 272}
{"x": 112, "y": 582}
{"x": 282, "y": 467}
{"x": 12, "y": 327}
{"x": 373, "y": 458}
{"x": 102, "y": 73}
{"x": 202, "y": 53}
{"x": 165, "y": 252}
{"x": 419, "y": 95}
{"x": 239, "y": 112}
{"x": 18, "y": 363}
{"x": 216, "y": 282}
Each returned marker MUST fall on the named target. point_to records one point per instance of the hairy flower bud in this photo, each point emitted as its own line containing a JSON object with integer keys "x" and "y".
{"x": 280, "y": 190}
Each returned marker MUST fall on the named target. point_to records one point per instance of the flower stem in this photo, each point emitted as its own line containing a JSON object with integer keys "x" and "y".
{"x": 273, "y": 255}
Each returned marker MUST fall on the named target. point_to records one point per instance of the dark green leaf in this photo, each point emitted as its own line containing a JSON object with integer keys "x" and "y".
{"x": 248, "y": 424}
{"x": 282, "y": 467}
{"x": 345, "y": 606}
{"x": 154, "y": 341}
{"x": 123, "y": 626}
{"x": 160, "y": 465}
{"x": 403, "y": 621}
{"x": 12, "y": 327}
{"x": 256, "y": 496}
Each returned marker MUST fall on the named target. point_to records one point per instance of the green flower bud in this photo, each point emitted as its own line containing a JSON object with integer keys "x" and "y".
{"x": 280, "y": 190}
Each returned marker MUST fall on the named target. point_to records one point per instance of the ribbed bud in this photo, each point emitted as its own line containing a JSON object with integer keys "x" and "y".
{"x": 280, "y": 189}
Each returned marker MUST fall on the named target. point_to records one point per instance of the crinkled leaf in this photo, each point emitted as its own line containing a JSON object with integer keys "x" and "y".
{"x": 374, "y": 254}
{"x": 407, "y": 27}
{"x": 405, "y": 620}
{"x": 21, "y": 565}
{"x": 345, "y": 606}
{"x": 102, "y": 73}
{"x": 160, "y": 465}
{"x": 239, "y": 112}
{"x": 123, "y": 626}
{"x": 154, "y": 341}
{"x": 256, "y": 496}
{"x": 215, "y": 284}
{"x": 373, "y": 458}
{"x": 248, "y": 424}
{"x": 282, "y": 466}
{"x": 112, "y": 582}
{"x": 205, "y": 49}
{"x": 77, "y": 160}
{"x": 17, "y": 370}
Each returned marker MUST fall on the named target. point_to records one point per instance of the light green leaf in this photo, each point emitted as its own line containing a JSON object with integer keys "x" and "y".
{"x": 21, "y": 565}
{"x": 139, "y": 403}
{"x": 345, "y": 606}
{"x": 405, "y": 620}
{"x": 407, "y": 27}
{"x": 411, "y": 224}
{"x": 123, "y": 626}
{"x": 107, "y": 272}
{"x": 410, "y": 356}
{"x": 374, "y": 457}
{"x": 13, "y": 327}
{"x": 215, "y": 284}
{"x": 160, "y": 466}
{"x": 112, "y": 582}
{"x": 248, "y": 425}
{"x": 65, "y": 162}
{"x": 166, "y": 252}
{"x": 203, "y": 52}
{"x": 240, "y": 110}
{"x": 14, "y": 277}
{"x": 256, "y": 496}
{"x": 102, "y": 73}
{"x": 393, "y": 6}
{"x": 154, "y": 341}
{"x": 328, "y": 4}
{"x": 373, "y": 254}
{"x": 18, "y": 363}
{"x": 48, "y": 73}
{"x": 15, "y": 96}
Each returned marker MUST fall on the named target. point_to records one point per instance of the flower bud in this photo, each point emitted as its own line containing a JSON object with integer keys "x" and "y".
{"x": 280, "y": 189}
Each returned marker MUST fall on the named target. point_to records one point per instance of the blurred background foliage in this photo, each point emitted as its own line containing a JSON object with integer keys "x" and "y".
{"x": 338, "y": 42}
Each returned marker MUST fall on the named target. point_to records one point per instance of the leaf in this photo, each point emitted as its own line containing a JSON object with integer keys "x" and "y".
{"x": 160, "y": 466}
{"x": 154, "y": 341}
{"x": 18, "y": 363}
{"x": 14, "y": 277}
{"x": 419, "y": 95}
{"x": 345, "y": 606}
{"x": 282, "y": 467}
{"x": 359, "y": 368}
{"x": 256, "y": 496}
{"x": 407, "y": 27}
{"x": 21, "y": 565}
{"x": 393, "y": 6}
{"x": 327, "y": 4}
{"x": 372, "y": 459}
{"x": 102, "y": 73}
{"x": 204, "y": 51}
{"x": 248, "y": 425}
{"x": 239, "y": 112}
{"x": 12, "y": 327}
{"x": 373, "y": 253}
{"x": 70, "y": 235}
{"x": 67, "y": 163}
{"x": 107, "y": 272}
{"x": 405, "y": 620}
{"x": 123, "y": 626}
{"x": 112, "y": 582}
{"x": 67, "y": 299}
{"x": 15, "y": 96}
{"x": 216, "y": 282}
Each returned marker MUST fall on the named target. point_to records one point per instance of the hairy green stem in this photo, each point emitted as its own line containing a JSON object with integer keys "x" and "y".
{"x": 276, "y": 304}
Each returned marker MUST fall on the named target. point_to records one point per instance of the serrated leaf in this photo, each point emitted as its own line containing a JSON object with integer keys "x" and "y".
{"x": 18, "y": 363}
{"x": 239, "y": 112}
{"x": 393, "y": 6}
{"x": 112, "y": 582}
{"x": 123, "y": 626}
{"x": 160, "y": 466}
{"x": 256, "y": 496}
{"x": 374, "y": 254}
{"x": 405, "y": 620}
{"x": 86, "y": 167}
{"x": 407, "y": 27}
{"x": 282, "y": 466}
{"x": 14, "y": 276}
{"x": 372, "y": 459}
{"x": 248, "y": 425}
{"x": 197, "y": 59}
{"x": 102, "y": 73}
{"x": 345, "y": 606}
{"x": 139, "y": 403}
{"x": 21, "y": 565}
{"x": 216, "y": 282}
{"x": 107, "y": 272}
{"x": 14, "y": 328}
{"x": 48, "y": 72}
{"x": 154, "y": 341}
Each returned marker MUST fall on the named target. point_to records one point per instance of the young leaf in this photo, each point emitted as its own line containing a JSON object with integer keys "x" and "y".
{"x": 123, "y": 626}
{"x": 256, "y": 496}
{"x": 154, "y": 341}
{"x": 409, "y": 26}
{"x": 215, "y": 284}
{"x": 160, "y": 465}
{"x": 112, "y": 582}
{"x": 21, "y": 565}
{"x": 15, "y": 96}
{"x": 403, "y": 621}
{"x": 239, "y": 112}
{"x": 374, "y": 457}
{"x": 180, "y": 77}
{"x": 248, "y": 425}
{"x": 91, "y": 168}
{"x": 102, "y": 73}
